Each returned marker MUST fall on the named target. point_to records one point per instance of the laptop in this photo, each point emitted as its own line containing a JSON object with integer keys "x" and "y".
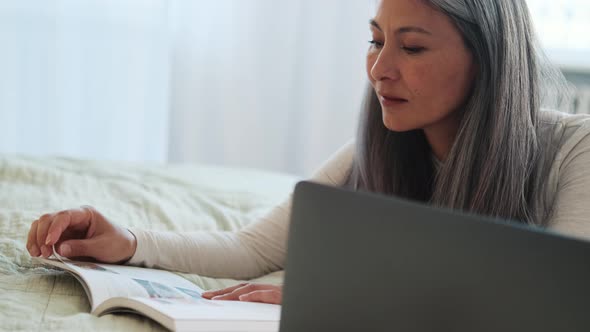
{"x": 365, "y": 262}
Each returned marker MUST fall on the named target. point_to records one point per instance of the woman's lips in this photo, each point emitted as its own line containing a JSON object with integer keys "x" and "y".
{"x": 391, "y": 101}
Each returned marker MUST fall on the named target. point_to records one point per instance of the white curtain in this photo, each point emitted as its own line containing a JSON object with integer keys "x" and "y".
{"x": 246, "y": 83}
{"x": 266, "y": 84}
{"x": 84, "y": 78}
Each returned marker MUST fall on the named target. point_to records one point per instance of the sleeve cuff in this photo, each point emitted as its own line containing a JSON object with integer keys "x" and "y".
{"x": 141, "y": 255}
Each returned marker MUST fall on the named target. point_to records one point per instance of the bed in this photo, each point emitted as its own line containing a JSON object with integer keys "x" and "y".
{"x": 163, "y": 197}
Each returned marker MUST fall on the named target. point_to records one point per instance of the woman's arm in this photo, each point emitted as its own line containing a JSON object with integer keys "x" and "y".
{"x": 257, "y": 249}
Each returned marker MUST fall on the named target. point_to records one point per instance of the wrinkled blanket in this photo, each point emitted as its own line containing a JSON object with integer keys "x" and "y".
{"x": 161, "y": 197}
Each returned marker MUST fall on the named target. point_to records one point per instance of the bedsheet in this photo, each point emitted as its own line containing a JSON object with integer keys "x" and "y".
{"x": 161, "y": 197}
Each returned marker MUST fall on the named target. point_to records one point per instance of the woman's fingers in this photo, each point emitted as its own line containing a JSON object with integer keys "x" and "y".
{"x": 42, "y": 227}
{"x": 264, "y": 296}
{"x": 252, "y": 293}
{"x": 76, "y": 220}
{"x": 235, "y": 294}
{"x": 211, "y": 294}
{"x": 32, "y": 240}
{"x": 81, "y": 232}
{"x": 49, "y": 228}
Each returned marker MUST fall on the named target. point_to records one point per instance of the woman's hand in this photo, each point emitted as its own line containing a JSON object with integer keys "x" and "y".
{"x": 82, "y": 232}
{"x": 248, "y": 292}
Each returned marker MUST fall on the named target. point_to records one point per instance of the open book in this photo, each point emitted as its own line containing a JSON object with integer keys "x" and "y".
{"x": 164, "y": 297}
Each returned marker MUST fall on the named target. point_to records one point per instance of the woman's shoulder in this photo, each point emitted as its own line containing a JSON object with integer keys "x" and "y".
{"x": 549, "y": 116}
{"x": 564, "y": 131}
{"x": 567, "y": 151}
{"x": 336, "y": 168}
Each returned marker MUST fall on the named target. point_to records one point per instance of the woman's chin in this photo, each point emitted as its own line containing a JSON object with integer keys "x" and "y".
{"x": 398, "y": 125}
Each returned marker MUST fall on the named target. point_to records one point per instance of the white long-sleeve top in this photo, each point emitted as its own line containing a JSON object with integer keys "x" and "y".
{"x": 260, "y": 247}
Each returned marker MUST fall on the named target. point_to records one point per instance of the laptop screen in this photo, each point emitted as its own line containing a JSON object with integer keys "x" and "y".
{"x": 364, "y": 262}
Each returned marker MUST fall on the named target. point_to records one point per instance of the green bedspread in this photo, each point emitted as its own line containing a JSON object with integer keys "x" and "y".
{"x": 179, "y": 198}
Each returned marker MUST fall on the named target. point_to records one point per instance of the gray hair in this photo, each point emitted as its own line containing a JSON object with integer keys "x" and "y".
{"x": 498, "y": 161}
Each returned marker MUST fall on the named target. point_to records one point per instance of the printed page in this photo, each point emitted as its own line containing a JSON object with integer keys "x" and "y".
{"x": 166, "y": 297}
{"x": 197, "y": 314}
{"x": 105, "y": 281}
{"x": 199, "y": 309}
{"x": 125, "y": 281}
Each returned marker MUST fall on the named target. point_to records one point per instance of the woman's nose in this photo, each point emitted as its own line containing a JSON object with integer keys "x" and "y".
{"x": 385, "y": 65}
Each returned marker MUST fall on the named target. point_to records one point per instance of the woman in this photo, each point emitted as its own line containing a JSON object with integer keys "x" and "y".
{"x": 452, "y": 118}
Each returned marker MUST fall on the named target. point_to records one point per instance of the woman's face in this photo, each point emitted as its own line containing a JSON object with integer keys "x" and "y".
{"x": 418, "y": 65}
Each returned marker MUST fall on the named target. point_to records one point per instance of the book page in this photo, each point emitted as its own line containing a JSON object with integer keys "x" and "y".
{"x": 104, "y": 281}
{"x": 208, "y": 310}
{"x": 198, "y": 314}
{"x": 165, "y": 297}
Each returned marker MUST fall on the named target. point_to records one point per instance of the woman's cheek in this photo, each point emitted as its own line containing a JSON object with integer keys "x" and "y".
{"x": 419, "y": 78}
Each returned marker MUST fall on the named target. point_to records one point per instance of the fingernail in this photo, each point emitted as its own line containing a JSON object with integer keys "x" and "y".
{"x": 34, "y": 250}
{"x": 44, "y": 251}
{"x": 48, "y": 239}
{"x": 243, "y": 297}
{"x": 216, "y": 297}
{"x": 65, "y": 250}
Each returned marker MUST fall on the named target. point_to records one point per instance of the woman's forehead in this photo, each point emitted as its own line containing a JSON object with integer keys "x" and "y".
{"x": 392, "y": 11}
{"x": 391, "y": 15}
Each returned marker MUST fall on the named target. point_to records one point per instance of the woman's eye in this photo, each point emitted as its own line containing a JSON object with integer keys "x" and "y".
{"x": 376, "y": 44}
{"x": 413, "y": 50}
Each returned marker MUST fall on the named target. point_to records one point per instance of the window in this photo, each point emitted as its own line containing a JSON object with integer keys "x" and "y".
{"x": 563, "y": 27}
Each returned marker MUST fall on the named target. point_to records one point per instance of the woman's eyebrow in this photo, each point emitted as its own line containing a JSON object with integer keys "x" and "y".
{"x": 402, "y": 29}
{"x": 375, "y": 24}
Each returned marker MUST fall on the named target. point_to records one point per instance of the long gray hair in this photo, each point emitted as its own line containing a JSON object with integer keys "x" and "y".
{"x": 496, "y": 165}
